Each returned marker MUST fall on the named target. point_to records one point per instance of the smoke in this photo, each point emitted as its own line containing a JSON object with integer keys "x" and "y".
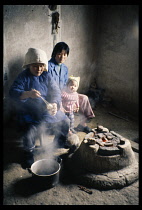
{"x": 40, "y": 133}
{"x": 52, "y": 138}
{"x": 45, "y": 167}
{"x": 48, "y": 145}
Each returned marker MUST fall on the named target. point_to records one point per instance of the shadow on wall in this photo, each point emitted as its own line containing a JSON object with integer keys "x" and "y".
{"x": 14, "y": 68}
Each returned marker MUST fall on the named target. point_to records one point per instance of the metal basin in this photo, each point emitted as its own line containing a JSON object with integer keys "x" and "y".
{"x": 46, "y": 172}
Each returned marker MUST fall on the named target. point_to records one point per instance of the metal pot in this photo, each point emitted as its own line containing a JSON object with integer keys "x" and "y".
{"x": 46, "y": 172}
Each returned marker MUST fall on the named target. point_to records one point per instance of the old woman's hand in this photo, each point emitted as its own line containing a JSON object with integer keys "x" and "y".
{"x": 53, "y": 110}
{"x": 34, "y": 93}
{"x": 30, "y": 94}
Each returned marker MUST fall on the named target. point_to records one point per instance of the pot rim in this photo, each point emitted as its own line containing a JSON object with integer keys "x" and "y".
{"x": 47, "y": 174}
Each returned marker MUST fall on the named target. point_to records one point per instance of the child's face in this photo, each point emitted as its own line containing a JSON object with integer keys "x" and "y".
{"x": 72, "y": 86}
{"x": 61, "y": 57}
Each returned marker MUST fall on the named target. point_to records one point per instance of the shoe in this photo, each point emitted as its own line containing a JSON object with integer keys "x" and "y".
{"x": 85, "y": 129}
{"x": 28, "y": 160}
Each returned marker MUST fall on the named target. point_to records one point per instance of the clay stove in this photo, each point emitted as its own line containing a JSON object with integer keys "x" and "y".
{"x": 104, "y": 159}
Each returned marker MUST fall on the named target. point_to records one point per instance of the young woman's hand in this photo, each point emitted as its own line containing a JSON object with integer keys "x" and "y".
{"x": 75, "y": 109}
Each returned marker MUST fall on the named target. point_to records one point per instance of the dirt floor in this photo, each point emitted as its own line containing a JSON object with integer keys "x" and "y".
{"x": 17, "y": 185}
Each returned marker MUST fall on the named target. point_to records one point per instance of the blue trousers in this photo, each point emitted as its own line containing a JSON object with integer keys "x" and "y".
{"x": 32, "y": 131}
{"x": 71, "y": 117}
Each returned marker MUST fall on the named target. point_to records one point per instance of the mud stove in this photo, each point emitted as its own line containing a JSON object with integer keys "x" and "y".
{"x": 104, "y": 160}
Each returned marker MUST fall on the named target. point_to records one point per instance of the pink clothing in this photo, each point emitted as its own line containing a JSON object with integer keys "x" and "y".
{"x": 69, "y": 101}
{"x": 85, "y": 107}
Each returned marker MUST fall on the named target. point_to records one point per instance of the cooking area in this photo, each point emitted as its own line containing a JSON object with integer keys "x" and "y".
{"x": 120, "y": 185}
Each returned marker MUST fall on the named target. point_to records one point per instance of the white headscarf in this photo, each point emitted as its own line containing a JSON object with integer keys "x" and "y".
{"x": 35, "y": 55}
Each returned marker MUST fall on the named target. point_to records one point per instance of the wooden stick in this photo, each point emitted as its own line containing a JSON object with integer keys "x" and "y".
{"x": 118, "y": 116}
{"x": 85, "y": 189}
{"x": 46, "y": 102}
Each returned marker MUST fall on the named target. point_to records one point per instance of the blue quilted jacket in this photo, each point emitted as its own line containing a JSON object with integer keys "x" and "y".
{"x": 34, "y": 110}
{"x": 61, "y": 79}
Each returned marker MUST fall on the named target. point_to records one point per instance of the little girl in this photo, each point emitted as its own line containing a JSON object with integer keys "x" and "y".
{"x": 70, "y": 100}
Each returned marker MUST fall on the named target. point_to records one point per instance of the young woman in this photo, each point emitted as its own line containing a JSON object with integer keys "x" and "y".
{"x": 59, "y": 72}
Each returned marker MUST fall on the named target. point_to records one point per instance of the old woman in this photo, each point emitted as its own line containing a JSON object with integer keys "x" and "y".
{"x": 32, "y": 86}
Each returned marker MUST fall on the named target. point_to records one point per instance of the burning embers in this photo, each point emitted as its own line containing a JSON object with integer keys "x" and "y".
{"x": 109, "y": 141}
{"x": 102, "y": 151}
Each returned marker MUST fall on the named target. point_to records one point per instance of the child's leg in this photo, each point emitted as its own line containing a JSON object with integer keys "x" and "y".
{"x": 85, "y": 106}
{"x": 86, "y": 113}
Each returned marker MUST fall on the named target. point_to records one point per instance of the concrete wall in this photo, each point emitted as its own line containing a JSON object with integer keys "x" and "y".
{"x": 79, "y": 31}
{"x": 117, "y": 55}
{"x": 102, "y": 40}
{"x": 30, "y": 26}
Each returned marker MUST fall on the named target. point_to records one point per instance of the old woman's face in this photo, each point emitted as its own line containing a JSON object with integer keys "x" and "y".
{"x": 37, "y": 69}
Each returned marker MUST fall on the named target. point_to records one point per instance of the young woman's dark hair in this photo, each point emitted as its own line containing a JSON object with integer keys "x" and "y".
{"x": 59, "y": 47}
